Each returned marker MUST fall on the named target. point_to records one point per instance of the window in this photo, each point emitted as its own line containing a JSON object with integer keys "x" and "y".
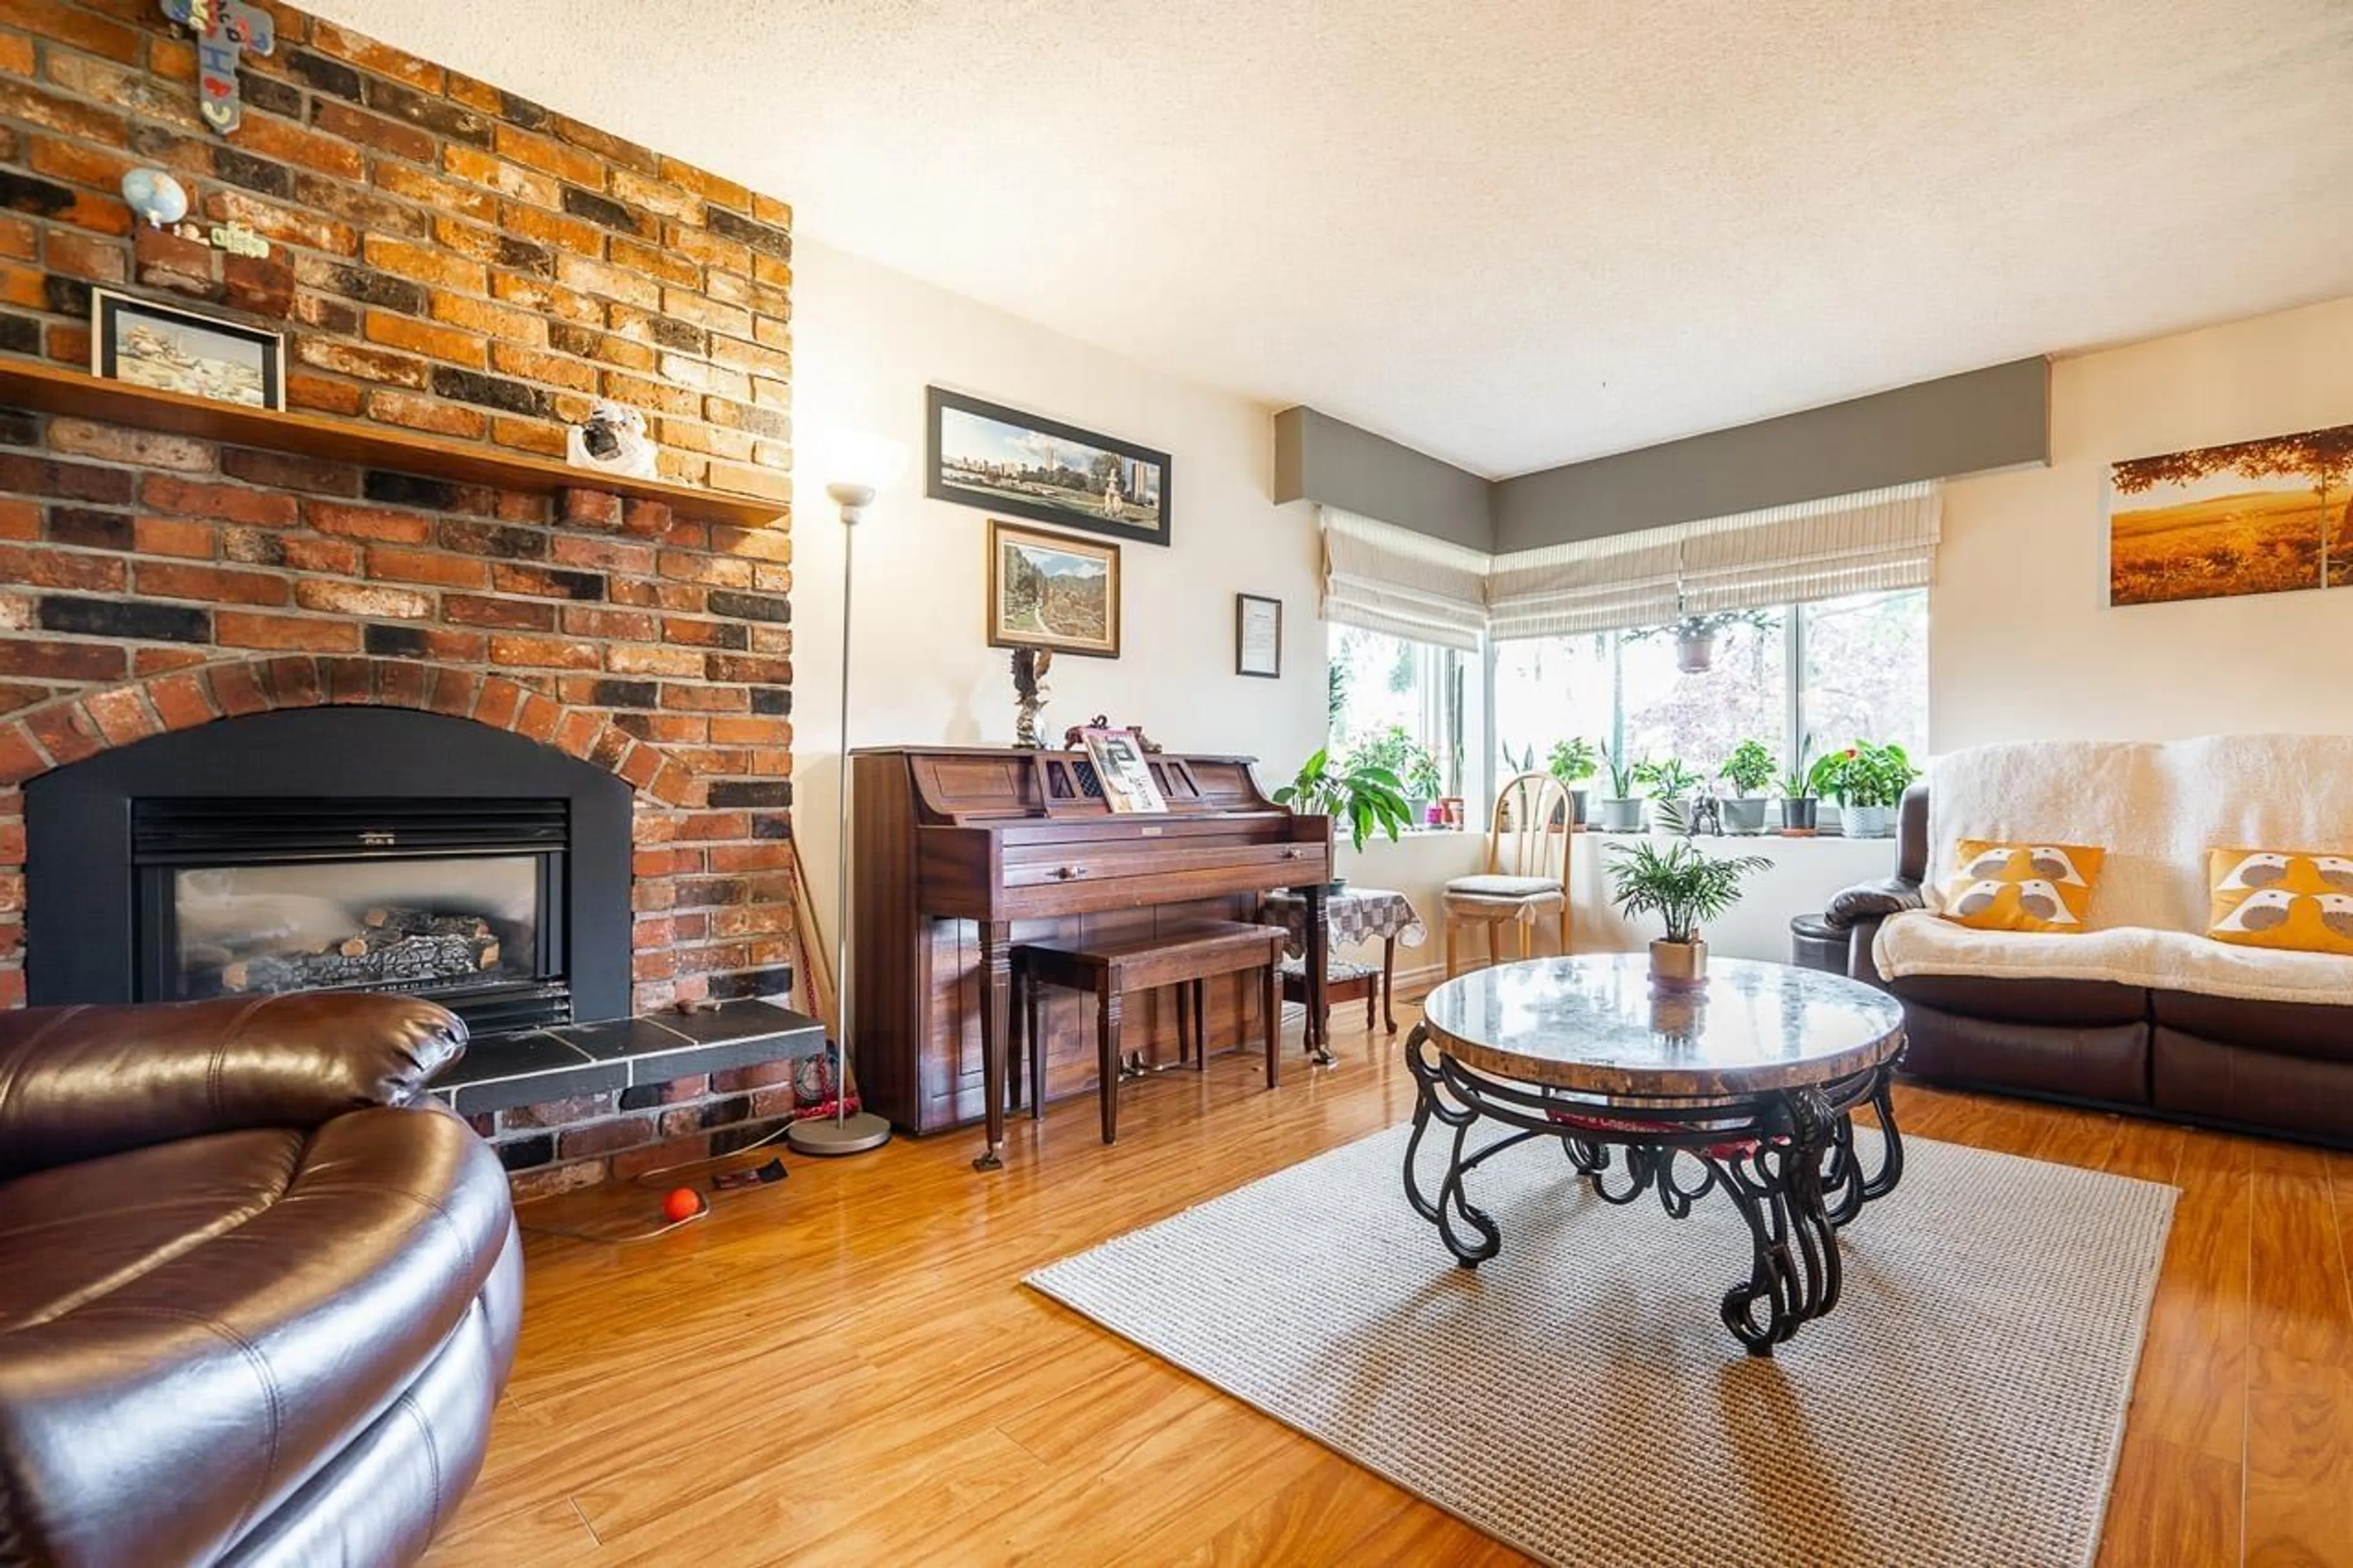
{"x": 1862, "y": 665}
{"x": 1383, "y": 687}
{"x": 1866, "y": 661}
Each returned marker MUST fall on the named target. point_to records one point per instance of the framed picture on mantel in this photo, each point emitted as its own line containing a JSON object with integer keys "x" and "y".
{"x": 1001, "y": 460}
{"x": 170, "y": 350}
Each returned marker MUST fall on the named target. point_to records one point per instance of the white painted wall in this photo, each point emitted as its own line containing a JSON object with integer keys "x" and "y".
{"x": 867, "y": 341}
{"x": 2022, "y": 645}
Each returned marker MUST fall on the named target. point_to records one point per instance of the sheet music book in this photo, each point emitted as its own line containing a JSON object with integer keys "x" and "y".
{"x": 1127, "y": 778}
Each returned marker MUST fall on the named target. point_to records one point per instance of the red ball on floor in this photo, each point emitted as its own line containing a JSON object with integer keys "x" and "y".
{"x": 681, "y": 1204}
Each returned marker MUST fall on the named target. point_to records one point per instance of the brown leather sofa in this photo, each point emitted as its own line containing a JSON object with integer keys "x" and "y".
{"x": 258, "y": 1296}
{"x": 2282, "y": 1068}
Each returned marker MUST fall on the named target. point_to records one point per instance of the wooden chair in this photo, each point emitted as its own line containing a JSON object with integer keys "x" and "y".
{"x": 1527, "y": 878}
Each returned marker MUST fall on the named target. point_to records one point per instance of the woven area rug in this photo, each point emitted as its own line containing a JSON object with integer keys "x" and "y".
{"x": 1578, "y": 1398}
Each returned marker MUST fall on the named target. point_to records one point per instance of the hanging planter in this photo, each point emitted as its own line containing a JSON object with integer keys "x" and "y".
{"x": 1695, "y": 652}
{"x": 1696, "y": 635}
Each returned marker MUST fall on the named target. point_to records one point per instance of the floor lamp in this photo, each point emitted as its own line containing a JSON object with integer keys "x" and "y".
{"x": 843, "y": 1133}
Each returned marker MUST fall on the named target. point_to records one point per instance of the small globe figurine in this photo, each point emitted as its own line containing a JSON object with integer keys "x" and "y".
{"x": 155, "y": 196}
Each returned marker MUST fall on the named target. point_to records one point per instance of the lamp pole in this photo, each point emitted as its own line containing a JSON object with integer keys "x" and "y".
{"x": 844, "y": 1134}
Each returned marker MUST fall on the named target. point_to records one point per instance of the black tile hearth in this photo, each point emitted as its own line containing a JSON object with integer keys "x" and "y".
{"x": 504, "y": 1070}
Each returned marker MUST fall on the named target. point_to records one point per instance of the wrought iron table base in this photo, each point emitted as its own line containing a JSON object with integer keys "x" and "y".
{"x": 1786, "y": 1160}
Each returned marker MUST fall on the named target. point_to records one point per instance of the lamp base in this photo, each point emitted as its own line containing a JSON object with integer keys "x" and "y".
{"x": 851, "y": 1135}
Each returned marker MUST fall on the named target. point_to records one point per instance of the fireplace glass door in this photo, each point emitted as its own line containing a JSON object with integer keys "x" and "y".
{"x": 408, "y": 925}
{"x": 457, "y": 901}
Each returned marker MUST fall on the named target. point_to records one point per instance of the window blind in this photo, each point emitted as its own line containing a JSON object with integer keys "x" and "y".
{"x": 1392, "y": 580}
{"x": 1592, "y": 586}
{"x": 1870, "y": 542}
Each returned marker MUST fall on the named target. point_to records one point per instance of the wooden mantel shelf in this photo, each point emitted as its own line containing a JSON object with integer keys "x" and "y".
{"x": 51, "y": 389}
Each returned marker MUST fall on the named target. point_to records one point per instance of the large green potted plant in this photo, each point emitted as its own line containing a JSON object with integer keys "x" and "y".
{"x": 1748, "y": 770}
{"x": 1867, "y": 782}
{"x": 1572, "y": 762}
{"x": 1421, "y": 779}
{"x": 1363, "y": 795}
{"x": 1620, "y": 811}
{"x": 1685, "y": 889}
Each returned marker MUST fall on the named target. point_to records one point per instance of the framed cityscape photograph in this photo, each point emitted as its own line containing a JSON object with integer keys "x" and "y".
{"x": 146, "y": 344}
{"x": 1051, "y": 591}
{"x": 1001, "y": 460}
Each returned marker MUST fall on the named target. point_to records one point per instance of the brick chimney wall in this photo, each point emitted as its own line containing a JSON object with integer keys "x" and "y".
{"x": 447, "y": 257}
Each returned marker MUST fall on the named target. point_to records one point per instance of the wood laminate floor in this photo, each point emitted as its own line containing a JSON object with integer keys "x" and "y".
{"x": 842, "y": 1368}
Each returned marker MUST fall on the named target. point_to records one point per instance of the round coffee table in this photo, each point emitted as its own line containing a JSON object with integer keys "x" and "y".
{"x": 1747, "y": 1086}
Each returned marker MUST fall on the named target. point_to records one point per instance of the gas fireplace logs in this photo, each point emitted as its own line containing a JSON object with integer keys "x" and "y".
{"x": 392, "y": 944}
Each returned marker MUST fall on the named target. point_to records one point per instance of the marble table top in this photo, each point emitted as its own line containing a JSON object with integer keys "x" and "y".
{"x": 1595, "y": 1023}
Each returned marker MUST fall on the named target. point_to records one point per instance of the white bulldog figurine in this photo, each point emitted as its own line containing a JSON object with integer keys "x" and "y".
{"x": 612, "y": 440}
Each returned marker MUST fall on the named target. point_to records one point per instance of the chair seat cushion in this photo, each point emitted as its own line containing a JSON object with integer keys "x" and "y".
{"x": 1511, "y": 888}
{"x": 1334, "y": 969}
{"x": 190, "y": 1330}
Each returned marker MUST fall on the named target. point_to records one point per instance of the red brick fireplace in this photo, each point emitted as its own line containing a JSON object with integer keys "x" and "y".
{"x": 444, "y": 257}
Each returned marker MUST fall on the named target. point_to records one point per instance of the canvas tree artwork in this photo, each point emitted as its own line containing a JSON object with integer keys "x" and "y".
{"x": 2266, "y": 516}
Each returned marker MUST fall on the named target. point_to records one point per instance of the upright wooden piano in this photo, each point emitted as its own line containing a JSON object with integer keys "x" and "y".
{"x": 958, "y": 853}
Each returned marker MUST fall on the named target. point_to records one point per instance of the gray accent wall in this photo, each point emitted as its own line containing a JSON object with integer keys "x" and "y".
{"x": 1332, "y": 462}
{"x": 1998, "y": 417}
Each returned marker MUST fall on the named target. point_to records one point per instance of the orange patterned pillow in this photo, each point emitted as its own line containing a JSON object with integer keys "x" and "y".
{"x": 2292, "y": 899}
{"x": 2021, "y": 887}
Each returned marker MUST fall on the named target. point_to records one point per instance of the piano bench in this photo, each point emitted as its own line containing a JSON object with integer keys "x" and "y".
{"x": 1184, "y": 958}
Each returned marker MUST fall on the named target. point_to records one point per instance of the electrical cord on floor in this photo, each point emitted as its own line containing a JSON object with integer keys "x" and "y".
{"x": 654, "y": 1178}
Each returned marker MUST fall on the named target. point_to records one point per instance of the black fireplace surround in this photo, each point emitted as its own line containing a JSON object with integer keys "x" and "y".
{"x": 372, "y": 848}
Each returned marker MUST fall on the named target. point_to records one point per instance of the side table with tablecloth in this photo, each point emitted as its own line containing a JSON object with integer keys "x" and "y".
{"x": 1352, "y": 914}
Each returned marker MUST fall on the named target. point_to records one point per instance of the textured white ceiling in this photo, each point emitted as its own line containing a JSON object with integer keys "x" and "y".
{"x": 1510, "y": 232}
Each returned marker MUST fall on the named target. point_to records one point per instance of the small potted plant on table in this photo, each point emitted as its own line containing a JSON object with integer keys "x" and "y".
{"x": 1621, "y": 808}
{"x": 1363, "y": 794}
{"x": 1685, "y": 889}
{"x": 1572, "y": 762}
{"x": 1748, "y": 770}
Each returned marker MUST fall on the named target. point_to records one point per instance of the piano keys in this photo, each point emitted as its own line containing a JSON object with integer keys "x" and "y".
{"x": 958, "y": 853}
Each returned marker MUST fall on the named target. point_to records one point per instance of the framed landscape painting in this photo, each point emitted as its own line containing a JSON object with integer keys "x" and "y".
{"x": 1001, "y": 460}
{"x": 2254, "y": 517}
{"x": 1049, "y": 590}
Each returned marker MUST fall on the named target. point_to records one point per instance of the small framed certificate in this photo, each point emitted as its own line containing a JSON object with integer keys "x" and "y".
{"x": 1258, "y": 636}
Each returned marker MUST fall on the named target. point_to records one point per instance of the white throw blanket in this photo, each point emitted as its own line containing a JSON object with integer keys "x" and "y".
{"x": 2157, "y": 808}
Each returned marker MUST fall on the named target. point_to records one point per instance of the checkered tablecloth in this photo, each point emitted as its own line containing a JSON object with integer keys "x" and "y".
{"x": 1357, "y": 914}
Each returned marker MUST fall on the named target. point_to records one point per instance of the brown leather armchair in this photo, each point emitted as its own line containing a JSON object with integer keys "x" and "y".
{"x": 257, "y": 1295}
{"x": 2259, "y": 1066}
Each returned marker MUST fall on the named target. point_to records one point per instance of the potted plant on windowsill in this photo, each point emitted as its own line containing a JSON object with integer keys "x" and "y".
{"x": 1365, "y": 796}
{"x": 1748, "y": 770}
{"x": 1572, "y": 762}
{"x": 1799, "y": 804}
{"x": 1674, "y": 787}
{"x": 1622, "y": 809}
{"x": 1419, "y": 777}
{"x": 1867, "y": 782}
{"x": 1685, "y": 889}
